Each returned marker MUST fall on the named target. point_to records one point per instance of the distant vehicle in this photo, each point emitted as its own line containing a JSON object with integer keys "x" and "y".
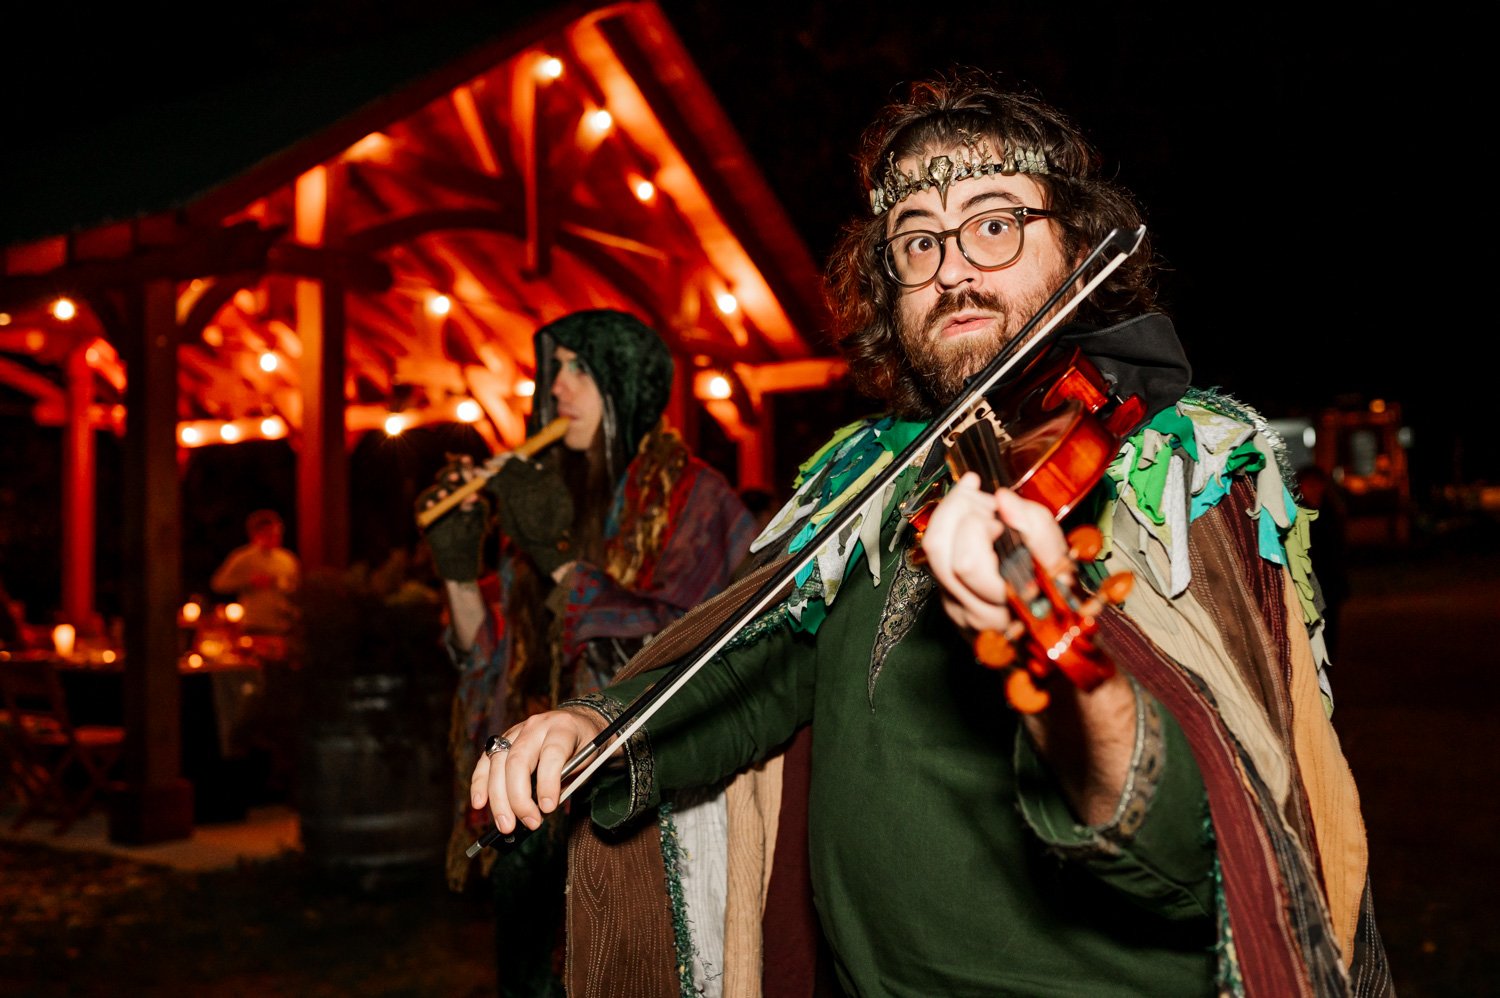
{"x": 1365, "y": 452}
{"x": 1363, "y": 448}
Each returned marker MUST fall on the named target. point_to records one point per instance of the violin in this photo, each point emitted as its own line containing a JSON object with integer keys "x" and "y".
{"x": 1048, "y": 436}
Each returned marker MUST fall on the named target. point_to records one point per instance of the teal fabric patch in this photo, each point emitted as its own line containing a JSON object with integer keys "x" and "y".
{"x": 857, "y": 453}
{"x": 1245, "y": 459}
{"x": 1269, "y": 537}
{"x": 1154, "y": 443}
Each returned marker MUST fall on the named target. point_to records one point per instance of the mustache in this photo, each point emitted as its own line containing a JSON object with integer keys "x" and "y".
{"x": 952, "y": 302}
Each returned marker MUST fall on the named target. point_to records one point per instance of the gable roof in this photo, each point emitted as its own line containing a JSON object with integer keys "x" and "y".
{"x": 448, "y": 166}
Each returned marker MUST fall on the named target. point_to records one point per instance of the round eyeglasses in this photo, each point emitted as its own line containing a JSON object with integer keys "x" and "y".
{"x": 989, "y": 240}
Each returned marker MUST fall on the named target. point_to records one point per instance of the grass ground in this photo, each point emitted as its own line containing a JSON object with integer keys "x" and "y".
{"x": 80, "y": 924}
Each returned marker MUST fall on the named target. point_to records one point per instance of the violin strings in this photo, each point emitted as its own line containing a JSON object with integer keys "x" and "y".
{"x": 977, "y": 450}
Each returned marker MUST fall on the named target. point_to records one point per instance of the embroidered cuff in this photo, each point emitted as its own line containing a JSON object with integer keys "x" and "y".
{"x": 1071, "y": 840}
{"x": 609, "y": 807}
{"x": 1144, "y": 775}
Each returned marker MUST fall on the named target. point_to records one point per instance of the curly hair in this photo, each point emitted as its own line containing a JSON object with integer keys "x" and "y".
{"x": 947, "y": 111}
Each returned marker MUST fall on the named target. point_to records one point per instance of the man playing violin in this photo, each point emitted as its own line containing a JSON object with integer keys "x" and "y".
{"x": 1181, "y": 823}
{"x": 603, "y": 541}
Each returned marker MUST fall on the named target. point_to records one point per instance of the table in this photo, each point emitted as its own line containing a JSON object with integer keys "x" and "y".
{"x": 222, "y": 706}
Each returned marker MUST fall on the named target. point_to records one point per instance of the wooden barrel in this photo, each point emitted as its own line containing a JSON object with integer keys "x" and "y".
{"x": 374, "y": 786}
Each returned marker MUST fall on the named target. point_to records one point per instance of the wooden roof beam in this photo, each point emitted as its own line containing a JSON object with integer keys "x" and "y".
{"x": 793, "y": 375}
{"x": 412, "y": 169}
{"x": 208, "y": 252}
{"x": 527, "y": 154}
{"x": 723, "y": 247}
{"x": 350, "y": 270}
{"x": 476, "y": 129}
{"x": 29, "y": 382}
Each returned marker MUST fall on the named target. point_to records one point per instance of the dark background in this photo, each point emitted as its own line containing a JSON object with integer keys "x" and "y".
{"x": 1313, "y": 187}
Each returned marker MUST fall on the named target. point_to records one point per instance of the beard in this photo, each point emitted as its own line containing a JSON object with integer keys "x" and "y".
{"x": 943, "y": 366}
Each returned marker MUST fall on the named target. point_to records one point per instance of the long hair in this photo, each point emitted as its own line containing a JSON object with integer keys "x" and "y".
{"x": 536, "y": 679}
{"x": 949, "y": 111}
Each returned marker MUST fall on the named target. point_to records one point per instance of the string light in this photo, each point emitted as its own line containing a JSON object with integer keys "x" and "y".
{"x": 4, "y": 318}
{"x": 549, "y": 68}
{"x": 727, "y": 302}
{"x": 369, "y": 147}
{"x": 63, "y": 309}
{"x": 645, "y": 191}
{"x": 718, "y": 387}
{"x": 601, "y": 121}
{"x": 202, "y": 432}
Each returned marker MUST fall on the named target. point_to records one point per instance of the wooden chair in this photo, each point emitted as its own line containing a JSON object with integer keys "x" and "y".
{"x": 59, "y": 768}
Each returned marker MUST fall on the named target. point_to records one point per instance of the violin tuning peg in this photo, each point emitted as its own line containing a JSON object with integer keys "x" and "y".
{"x": 1024, "y": 694}
{"x": 1085, "y": 543}
{"x": 994, "y": 650}
{"x": 1114, "y": 589}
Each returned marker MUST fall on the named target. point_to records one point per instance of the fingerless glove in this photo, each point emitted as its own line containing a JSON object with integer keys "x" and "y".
{"x": 535, "y": 511}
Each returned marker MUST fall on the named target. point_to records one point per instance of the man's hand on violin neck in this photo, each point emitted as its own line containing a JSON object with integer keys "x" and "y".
{"x": 959, "y": 543}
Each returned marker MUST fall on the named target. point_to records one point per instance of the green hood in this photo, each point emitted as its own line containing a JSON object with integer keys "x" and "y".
{"x": 627, "y": 360}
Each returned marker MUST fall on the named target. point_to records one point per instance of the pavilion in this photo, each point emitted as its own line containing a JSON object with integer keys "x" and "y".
{"x": 366, "y": 243}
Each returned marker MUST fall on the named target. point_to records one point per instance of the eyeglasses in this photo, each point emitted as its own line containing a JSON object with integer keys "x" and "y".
{"x": 989, "y": 240}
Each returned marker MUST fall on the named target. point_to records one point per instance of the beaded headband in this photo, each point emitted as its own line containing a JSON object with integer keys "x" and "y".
{"x": 973, "y": 160}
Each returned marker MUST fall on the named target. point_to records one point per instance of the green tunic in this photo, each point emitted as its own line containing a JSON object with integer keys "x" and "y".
{"x": 943, "y": 860}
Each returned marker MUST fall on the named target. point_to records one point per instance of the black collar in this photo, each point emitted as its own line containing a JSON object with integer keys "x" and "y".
{"x": 1140, "y": 356}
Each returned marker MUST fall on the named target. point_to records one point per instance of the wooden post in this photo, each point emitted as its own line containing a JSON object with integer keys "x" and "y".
{"x": 322, "y": 465}
{"x": 755, "y": 450}
{"x": 78, "y": 491}
{"x": 152, "y": 802}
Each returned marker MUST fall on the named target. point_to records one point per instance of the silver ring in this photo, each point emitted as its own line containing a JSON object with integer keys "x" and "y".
{"x": 496, "y": 743}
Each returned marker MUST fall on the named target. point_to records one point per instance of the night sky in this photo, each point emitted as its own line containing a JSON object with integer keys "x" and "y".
{"x": 1300, "y": 184}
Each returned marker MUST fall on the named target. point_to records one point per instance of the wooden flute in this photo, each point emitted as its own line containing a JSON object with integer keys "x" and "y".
{"x": 546, "y": 436}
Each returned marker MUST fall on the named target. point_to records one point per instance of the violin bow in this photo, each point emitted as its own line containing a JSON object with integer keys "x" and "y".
{"x": 1114, "y": 249}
